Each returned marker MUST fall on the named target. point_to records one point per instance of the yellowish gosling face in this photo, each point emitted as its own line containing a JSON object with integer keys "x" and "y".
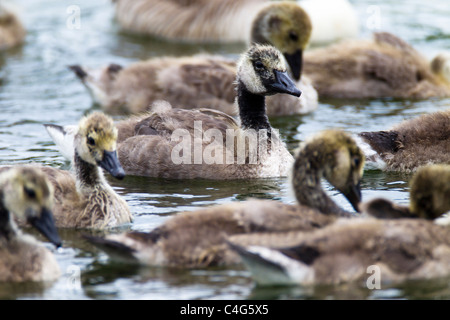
{"x": 262, "y": 70}
{"x": 28, "y": 195}
{"x": 342, "y": 162}
{"x": 97, "y": 143}
{"x": 430, "y": 191}
{"x": 286, "y": 26}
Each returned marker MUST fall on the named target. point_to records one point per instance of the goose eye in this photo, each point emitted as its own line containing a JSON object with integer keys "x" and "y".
{"x": 91, "y": 141}
{"x": 29, "y": 192}
{"x": 259, "y": 65}
{"x": 293, "y": 36}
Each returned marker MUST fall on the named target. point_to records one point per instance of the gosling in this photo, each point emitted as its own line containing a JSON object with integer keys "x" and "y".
{"x": 409, "y": 145}
{"x": 198, "y": 238}
{"x": 404, "y": 243}
{"x": 84, "y": 199}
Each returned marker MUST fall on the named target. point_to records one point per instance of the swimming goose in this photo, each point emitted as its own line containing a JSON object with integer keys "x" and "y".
{"x": 387, "y": 66}
{"x": 12, "y": 31}
{"x": 197, "y": 238}
{"x": 27, "y": 195}
{"x": 412, "y": 143}
{"x": 85, "y": 199}
{"x": 205, "y": 143}
{"x": 206, "y": 81}
{"x": 399, "y": 247}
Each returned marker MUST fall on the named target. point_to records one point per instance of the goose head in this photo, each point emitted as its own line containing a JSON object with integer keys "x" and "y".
{"x": 28, "y": 195}
{"x": 96, "y": 143}
{"x": 262, "y": 71}
{"x": 286, "y": 26}
{"x": 440, "y": 65}
{"x": 337, "y": 158}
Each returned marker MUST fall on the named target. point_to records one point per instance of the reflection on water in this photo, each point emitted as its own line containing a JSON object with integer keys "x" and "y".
{"x": 36, "y": 88}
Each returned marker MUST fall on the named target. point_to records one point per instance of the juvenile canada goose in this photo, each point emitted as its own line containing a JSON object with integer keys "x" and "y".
{"x": 85, "y": 199}
{"x": 386, "y": 66}
{"x": 12, "y": 31}
{"x": 205, "y": 143}
{"x": 26, "y": 195}
{"x": 401, "y": 248}
{"x": 206, "y": 81}
{"x": 412, "y": 143}
{"x": 197, "y": 238}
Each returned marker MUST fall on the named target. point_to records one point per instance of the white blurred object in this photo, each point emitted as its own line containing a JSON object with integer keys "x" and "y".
{"x": 332, "y": 20}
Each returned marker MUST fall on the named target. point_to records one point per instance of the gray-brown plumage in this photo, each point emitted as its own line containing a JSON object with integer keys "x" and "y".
{"x": 341, "y": 252}
{"x": 412, "y": 143}
{"x": 404, "y": 242}
{"x": 197, "y": 238}
{"x": 206, "y": 81}
{"x": 429, "y": 196}
{"x": 205, "y": 143}
{"x": 12, "y": 32}
{"x": 84, "y": 199}
{"x": 26, "y": 194}
{"x": 384, "y": 67}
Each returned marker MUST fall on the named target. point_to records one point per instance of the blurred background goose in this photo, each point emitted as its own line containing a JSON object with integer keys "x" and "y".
{"x": 429, "y": 197}
{"x": 12, "y": 32}
{"x": 204, "y": 143}
{"x": 84, "y": 199}
{"x": 401, "y": 248}
{"x": 227, "y": 20}
{"x": 197, "y": 238}
{"x": 206, "y": 81}
{"x": 410, "y": 144}
{"x": 386, "y": 66}
{"x": 26, "y": 195}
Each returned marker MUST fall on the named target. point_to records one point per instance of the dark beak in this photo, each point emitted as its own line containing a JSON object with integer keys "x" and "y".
{"x": 284, "y": 84}
{"x": 295, "y": 62}
{"x": 45, "y": 225}
{"x": 111, "y": 164}
{"x": 353, "y": 195}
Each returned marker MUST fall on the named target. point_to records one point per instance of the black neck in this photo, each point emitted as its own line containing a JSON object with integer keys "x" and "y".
{"x": 88, "y": 174}
{"x": 252, "y": 109}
